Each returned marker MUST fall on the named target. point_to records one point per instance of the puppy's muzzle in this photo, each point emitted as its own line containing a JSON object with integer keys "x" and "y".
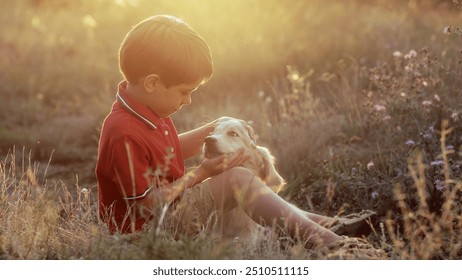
{"x": 211, "y": 148}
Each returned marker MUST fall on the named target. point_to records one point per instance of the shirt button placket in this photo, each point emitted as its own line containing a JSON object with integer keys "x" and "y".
{"x": 170, "y": 149}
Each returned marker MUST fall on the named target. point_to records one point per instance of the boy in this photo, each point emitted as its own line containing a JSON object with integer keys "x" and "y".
{"x": 141, "y": 157}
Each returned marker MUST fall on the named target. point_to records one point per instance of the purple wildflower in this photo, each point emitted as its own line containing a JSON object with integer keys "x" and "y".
{"x": 410, "y": 142}
{"x": 374, "y": 194}
{"x": 440, "y": 186}
{"x": 437, "y": 162}
{"x": 354, "y": 171}
{"x": 429, "y": 133}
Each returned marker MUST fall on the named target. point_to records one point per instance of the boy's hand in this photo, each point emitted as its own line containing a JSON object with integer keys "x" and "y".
{"x": 214, "y": 166}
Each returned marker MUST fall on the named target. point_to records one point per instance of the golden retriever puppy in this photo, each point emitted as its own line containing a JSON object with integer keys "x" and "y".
{"x": 231, "y": 134}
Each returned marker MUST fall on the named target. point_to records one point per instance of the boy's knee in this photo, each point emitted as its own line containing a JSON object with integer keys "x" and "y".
{"x": 239, "y": 172}
{"x": 234, "y": 185}
{"x": 237, "y": 178}
{"x": 233, "y": 175}
{"x": 240, "y": 176}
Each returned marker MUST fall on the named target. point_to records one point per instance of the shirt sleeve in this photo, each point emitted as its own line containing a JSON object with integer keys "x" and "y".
{"x": 131, "y": 166}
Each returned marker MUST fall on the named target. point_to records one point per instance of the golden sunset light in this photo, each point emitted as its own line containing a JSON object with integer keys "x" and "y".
{"x": 352, "y": 106}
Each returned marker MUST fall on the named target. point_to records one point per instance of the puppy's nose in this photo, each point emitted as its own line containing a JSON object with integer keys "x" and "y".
{"x": 210, "y": 140}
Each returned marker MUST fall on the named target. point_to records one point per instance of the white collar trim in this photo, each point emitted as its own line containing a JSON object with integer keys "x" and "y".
{"x": 133, "y": 112}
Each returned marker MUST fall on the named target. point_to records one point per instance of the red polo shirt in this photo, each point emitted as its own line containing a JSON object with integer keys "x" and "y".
{"x": 137, "y": 150}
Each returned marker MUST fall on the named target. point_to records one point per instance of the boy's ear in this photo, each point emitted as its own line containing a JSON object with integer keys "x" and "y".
{"x": 150, "y": 82}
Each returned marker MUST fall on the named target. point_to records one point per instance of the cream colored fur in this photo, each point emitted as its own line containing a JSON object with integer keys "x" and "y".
{"x": 230, "y": 135}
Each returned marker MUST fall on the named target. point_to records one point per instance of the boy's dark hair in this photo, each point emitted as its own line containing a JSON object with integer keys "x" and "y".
{"x": 168, "y": 47}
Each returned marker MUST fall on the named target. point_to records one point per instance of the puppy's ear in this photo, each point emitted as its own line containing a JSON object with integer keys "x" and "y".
{"x": 251, "y": 132}
{"x": 269, "y": 174}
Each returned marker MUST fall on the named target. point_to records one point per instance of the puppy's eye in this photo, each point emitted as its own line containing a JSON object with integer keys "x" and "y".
{"x": 233, "y": 134}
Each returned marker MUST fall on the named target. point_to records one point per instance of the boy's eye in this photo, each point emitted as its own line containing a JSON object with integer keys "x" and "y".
{"x": 233, "y": 134}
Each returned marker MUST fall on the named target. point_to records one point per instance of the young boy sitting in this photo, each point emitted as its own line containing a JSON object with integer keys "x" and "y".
{"x": 141, "y": 157}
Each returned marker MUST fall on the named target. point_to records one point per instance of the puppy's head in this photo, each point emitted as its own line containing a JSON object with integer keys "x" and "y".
{"x": 232, "y": 134}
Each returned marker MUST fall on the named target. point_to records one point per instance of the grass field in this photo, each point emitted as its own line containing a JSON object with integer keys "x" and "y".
{"x": 359, "y": 102}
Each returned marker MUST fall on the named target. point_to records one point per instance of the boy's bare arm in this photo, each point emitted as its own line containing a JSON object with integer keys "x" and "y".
{"x": 207, "y": 169}
{"x": 191, "y": 141}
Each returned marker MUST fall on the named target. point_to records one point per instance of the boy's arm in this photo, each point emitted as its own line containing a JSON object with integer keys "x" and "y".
{"x": 191, "y": 142}
{"x": 208, "y": 168}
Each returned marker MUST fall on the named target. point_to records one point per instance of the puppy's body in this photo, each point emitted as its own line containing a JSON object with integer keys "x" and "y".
{"x": 229, "y": 136}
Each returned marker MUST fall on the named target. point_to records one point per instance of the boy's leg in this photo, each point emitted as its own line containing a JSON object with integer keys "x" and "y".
{"x": 356, "y": 224}
{"x": 239, "y": 187}
{"x": 321, "y": 220}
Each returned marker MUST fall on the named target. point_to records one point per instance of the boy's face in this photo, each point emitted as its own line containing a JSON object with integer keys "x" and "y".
{"x": 166, "y": 101}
